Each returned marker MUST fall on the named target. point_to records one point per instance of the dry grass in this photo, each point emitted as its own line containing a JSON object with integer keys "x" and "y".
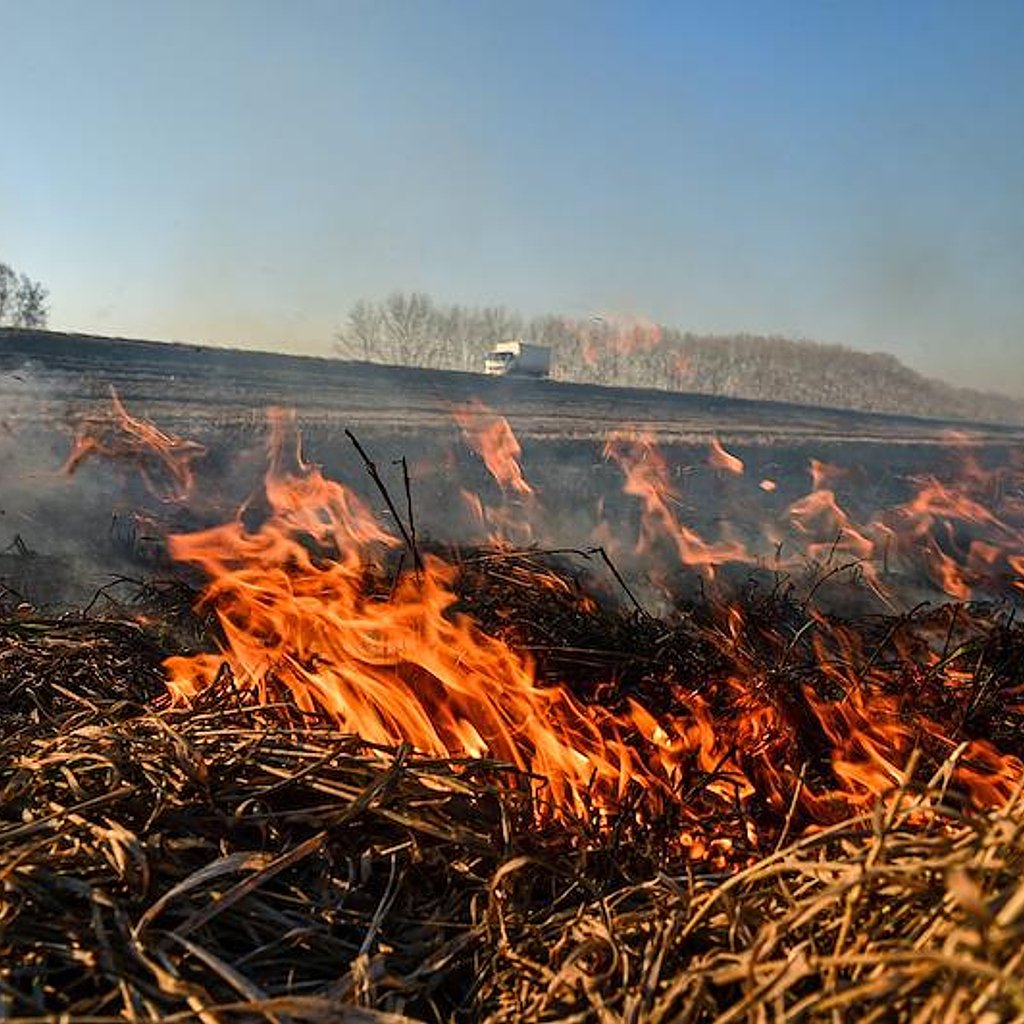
{"x": 228, "y": 862}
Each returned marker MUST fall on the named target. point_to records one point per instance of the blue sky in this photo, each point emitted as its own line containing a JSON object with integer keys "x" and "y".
{"x": 240, "y": 172}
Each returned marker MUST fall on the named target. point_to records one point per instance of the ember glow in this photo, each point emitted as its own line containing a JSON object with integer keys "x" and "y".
{"x": 308, "y": 613}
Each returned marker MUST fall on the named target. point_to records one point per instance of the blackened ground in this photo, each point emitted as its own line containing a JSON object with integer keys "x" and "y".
{"x": 192, "y": 383}
{"x": 103, "y": 520}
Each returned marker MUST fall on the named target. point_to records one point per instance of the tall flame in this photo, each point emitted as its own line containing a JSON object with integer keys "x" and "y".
{"x": 293, "y": 603}
{"x": 490, "y": 435}
{"x": 648, "y": 478}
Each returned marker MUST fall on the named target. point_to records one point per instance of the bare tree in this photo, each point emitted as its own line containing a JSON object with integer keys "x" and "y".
{"x": 22, "y": 300}
{"x": 30, "y": 304}
{"x": 406, "y": 318}
{"x": 8, "y": 293}
{"x": 361, "y": 336}
{"x": 412, "y": 330}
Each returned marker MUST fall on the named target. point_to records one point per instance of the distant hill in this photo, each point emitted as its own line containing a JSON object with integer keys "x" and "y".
{"x": 413, "y": 330}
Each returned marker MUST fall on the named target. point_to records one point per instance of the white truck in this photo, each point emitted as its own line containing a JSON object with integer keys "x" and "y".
{"x": 518, "y": 358}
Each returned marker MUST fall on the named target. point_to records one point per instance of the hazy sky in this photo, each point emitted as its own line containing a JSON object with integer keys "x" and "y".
{"x": 240, "y": 172}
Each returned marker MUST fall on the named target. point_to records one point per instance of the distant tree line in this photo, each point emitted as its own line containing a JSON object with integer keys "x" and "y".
{"x": 411, "y": 329}
{"x": 22, "y": 300}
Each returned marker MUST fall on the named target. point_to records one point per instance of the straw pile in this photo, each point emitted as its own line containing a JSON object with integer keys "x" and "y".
{"x": 229, "y": 862}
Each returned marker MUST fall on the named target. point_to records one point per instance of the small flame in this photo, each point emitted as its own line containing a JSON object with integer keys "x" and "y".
{"x": 647, "y": 478}
{"x": 721, "y": 459}
{"x": 163, "y": 460}
{"x": 491, "y": 437}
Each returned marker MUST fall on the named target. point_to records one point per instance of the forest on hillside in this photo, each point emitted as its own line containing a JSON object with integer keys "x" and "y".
{"x": 412, "y": 329}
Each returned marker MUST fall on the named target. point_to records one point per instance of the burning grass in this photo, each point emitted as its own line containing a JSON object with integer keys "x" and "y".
{"x": 356, "y": 777}
{"x": 244, "y": 860}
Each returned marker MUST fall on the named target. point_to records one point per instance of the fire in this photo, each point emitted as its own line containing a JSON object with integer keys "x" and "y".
{"x": 614, "y": 335}
{"x": 965, "y": 538}
{"x": 299, "y": 614}
{"x": 307, "y": 613}
{"x": 491, "y": 437}
{"x": 820, "y": 515}
{"x": 721, "y": 459}
{"x": 647, "y": 478}
{"x": 163, "y": 460}
{"x": 403, "y": 670}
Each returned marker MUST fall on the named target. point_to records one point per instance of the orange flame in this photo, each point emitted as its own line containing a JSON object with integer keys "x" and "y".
{"x": 491, "y": 437}
{"x": 302, "y": 615}
{"x": 614, "y": 335}
{"x": 964, "y": 537}
{"x": 297, "y": 614}
{"x": 164, "y": 460}
{"x": 721, "y": 459}
{"x": 408, "y": 670}
{"x": 647, "y": 478}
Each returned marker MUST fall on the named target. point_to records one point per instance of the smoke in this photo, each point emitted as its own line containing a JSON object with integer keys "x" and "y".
{"x": 69, "y": 528}
{"x": 47, "y": 530}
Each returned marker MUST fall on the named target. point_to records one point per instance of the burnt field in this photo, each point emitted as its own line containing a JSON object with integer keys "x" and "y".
{"x": 189, "y": 385}
{"x": 447, "y": 699}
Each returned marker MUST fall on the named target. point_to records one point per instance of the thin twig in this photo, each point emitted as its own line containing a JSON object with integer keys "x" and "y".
{"x": 371, "y": 468}
{"x": 622, "y": 583}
